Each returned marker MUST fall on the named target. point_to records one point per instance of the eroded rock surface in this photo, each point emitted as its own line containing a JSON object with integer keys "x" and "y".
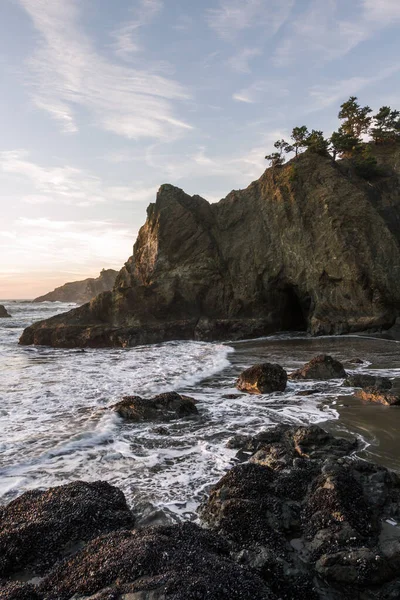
{"x": 305, "y": 513}
{"x": 164, "y": 407}
{"x": 320, "y": 367}
{"x": 39, "y": 527}
{"x": 301, "y": 519}
{"x": 272, "y": 257}
{"x": 378, "y": 396}
{"x": 364, "y": 381}
{"x": 181, "y": 562}
{"x": 262, "y": 379}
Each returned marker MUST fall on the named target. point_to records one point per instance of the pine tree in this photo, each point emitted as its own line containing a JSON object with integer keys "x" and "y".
{"x": 299, "y": 137}
{"x": 357, "y": 119}
{"x": 386, "y": 125}
{"x": 316, "y": 143}
{"x": 275, "y": 159}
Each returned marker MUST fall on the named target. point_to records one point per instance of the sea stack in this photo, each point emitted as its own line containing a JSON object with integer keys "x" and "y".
{"x": 309, "y": 246}
{"x": 3, "y": 312}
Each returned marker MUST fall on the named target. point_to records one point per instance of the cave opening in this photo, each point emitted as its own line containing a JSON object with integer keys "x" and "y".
{"x": 295, "y": 310}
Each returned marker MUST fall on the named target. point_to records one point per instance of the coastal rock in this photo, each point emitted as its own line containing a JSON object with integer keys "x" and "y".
{"x": 378, "y": 396}
{"x": 162, "y": 407}
{"x": 365, "y": 381}
{"x": 277, "y": 254}
{"x": 3, "y": 312}
{"x": 14, "y": 590}
{"x": 264, "y": 378}
{"x": 81, "y": 291}
{"x": 181, "y": 562}
{"x": 39, "y": 527}
{"x": 320, "y": 367}
{"x": 340, "y": 514}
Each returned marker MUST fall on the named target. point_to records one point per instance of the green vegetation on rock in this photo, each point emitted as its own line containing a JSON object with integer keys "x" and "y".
{"x": 349, "y": 141}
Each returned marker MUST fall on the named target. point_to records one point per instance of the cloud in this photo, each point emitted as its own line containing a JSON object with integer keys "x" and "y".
{"x": 232, "y": 170}
{"x": 385, "y": 12}
{"x": 68, "y": 185}
{"x": 234, "y": 16}
{"x": 333, "y": 92}
{"x": 240, "y": 61}
{"x": 45, "y": 245}
{"x": 320, "y": 34}
{"x": 125, "y": 43}
{"x": 69, "y": 73}
{"x": 258, "y": 90}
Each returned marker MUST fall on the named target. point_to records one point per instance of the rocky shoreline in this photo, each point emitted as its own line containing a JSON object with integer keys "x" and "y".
{"x": 298, "y": 515}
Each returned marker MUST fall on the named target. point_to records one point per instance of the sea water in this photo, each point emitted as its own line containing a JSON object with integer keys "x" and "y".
{"x": 56, "y": 425}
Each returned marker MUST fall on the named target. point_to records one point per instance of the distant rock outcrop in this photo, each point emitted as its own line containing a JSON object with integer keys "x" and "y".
{"x": 3, "y": 312}
{"x": 308, "y": 246}
{"x": 82, "y": 291}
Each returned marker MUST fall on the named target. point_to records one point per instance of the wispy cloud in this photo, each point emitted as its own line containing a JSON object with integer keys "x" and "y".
{"x": 385, "y": 12}
{"x": 126, "y": 40}
{"x": 321, "y": 34}
{"x": 257, "y": 91}
{"x": 240, "y": 61}
{"x": 68, "y": 72}
{"x": 68, "y": 185}
{"x": 234, "y": 16}
{"x": 323, "y": 96}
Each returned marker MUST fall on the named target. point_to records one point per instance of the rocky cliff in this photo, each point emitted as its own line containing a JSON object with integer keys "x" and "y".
{"x": 81, "y": 291}
{"x": 308, "y": 246}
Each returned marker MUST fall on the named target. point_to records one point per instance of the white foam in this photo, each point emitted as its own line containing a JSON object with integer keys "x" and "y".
{"x": 54, "y": 429}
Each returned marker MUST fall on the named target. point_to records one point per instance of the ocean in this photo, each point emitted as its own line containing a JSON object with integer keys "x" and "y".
{"x": 56, "y": 426}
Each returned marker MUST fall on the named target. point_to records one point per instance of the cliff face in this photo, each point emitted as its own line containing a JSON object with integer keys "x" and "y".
{"x": 82, "y": 291}
{"x": 307, "y": 246}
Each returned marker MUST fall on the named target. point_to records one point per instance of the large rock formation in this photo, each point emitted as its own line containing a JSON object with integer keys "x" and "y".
{"x": 309, "y": 245}
{"x": 82, "y": 291}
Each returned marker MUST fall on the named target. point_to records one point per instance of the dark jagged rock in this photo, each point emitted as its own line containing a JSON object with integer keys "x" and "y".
{"x": 181, "y": 562}
{"x": 162, "y": 407}
{"x": 82, "y": 291}
{"x": 40, "y": 526}
{"x": 363, "y": 381}
{"x": 307, "y": 246}
{"x": 378, "y": 396}
{"x": 14, "y": 590}
{"x": 3, "y": 312}
{"x": 320, "y": 367}
{"x": 262, "y": 379}
{"x": 339, "y": 514}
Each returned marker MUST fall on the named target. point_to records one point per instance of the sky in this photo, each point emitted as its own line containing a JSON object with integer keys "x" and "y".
{"x": 102, "y": 101}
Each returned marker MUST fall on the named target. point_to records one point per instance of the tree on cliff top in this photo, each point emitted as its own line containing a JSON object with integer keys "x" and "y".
{"x": 348, "y": 141}
{"x": 356, "y": 119}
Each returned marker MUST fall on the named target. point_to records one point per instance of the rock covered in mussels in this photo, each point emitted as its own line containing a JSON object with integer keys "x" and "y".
{"x": 181, "y": 562}
{"x": 302, "y": 509}
{"x": 277, "y": 254}
{"x": 39, "y": 527}
{"x": 320, "y": 367}
{"x": 3, "y": 312}
{"x": 15, "y": 590}
{"x": 164, "y": 407}
{"x": 264, "y": 378}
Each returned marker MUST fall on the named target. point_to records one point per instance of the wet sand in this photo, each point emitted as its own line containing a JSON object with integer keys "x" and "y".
{"x": 378, "y": 425}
